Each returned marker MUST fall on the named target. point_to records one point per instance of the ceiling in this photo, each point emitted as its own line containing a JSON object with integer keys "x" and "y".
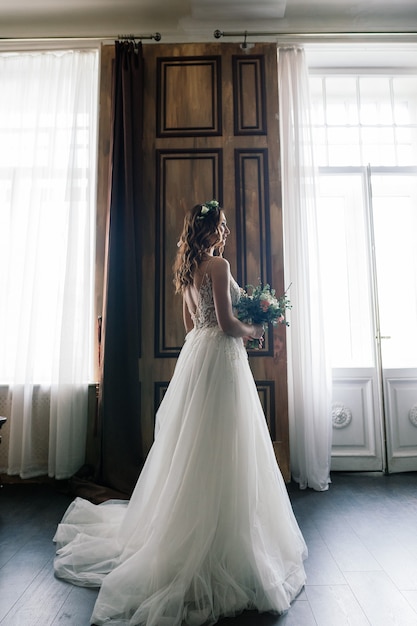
{"x": 196, "y": 20}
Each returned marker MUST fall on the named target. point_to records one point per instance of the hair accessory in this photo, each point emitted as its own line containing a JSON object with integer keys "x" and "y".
{"x": 206, "y": 208}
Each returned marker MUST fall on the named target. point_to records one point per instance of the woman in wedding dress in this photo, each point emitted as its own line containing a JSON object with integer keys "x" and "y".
{"x": 209, "y": 530}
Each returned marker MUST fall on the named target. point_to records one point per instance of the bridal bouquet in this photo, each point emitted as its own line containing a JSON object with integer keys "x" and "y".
{"x": 260, "y": 305}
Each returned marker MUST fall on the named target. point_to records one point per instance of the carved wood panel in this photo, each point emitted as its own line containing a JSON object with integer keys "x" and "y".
{"x": 211, "y": 131}
{"x": 355, "y": 432}
{"x": 177, "y": 170}
{"x": 401, "y": 407}
{"x": 253, "y": 224}
{"x": 195, "y": 82}
{"x": 249, "y": 95}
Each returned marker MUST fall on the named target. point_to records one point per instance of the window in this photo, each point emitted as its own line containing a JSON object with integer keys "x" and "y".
{"x": 365, "y": 129}
{"x": 365, "y": 119}
{"x": 48, "y": 128}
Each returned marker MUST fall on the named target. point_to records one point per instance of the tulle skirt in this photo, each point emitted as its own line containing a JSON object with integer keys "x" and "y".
{"x": 209, "y": 530}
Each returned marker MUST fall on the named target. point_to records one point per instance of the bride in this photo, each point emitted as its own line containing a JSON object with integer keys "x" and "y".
{"x": 209, "y": 530}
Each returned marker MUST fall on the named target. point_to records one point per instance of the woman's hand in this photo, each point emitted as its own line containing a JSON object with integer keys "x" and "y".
{"x": 258, "y": 331}
{"x": 260, "y": 342}
{"x": 258, "y": 334}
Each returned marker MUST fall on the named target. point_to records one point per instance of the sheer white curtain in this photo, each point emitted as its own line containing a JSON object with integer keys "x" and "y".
{"x": 309, "y": 373}
{"x": 48, "y": 118}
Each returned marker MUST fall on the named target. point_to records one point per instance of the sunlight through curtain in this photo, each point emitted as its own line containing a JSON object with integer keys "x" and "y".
{"x": 48, "y": 113}
{"x": 309, "y": 373}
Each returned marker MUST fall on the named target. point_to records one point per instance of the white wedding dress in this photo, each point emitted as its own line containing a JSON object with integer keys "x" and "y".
{"x": 209, "y": 530}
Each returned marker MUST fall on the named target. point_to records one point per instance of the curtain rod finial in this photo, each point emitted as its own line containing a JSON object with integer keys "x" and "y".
{"x": 217, "y": 34}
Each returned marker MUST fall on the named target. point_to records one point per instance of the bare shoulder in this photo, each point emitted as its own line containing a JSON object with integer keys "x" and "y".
{"x": 219, "y": 266}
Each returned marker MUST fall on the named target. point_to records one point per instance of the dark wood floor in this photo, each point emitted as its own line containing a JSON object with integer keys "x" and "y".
{"x": 362, "y": 565}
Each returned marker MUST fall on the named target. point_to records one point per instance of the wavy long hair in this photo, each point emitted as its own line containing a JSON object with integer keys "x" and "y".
{"x": 201, "y": 232}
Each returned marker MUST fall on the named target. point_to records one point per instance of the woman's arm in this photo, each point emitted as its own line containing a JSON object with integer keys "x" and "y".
{"x": 188, "y": 322}
{"x": 220, "y": 278}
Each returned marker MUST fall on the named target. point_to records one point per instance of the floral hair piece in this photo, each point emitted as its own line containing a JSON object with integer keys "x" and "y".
{"x": 206, "y": 208}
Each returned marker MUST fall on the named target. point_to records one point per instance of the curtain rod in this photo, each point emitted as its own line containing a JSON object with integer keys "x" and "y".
{"x": 317, "y": 35}
{"x": 155, "y": 36}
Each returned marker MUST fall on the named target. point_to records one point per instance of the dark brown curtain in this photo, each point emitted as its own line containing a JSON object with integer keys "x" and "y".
{"x": 119, "y": 403}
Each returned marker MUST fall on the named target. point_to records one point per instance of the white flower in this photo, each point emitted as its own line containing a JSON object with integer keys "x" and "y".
{"x": 204, "y": 209}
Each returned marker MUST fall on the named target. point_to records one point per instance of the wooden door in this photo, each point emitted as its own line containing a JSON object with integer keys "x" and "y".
{"x": 211, "y": 131}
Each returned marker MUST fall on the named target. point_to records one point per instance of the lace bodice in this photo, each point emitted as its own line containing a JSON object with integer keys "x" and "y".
{"x": 205, "y": 314}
